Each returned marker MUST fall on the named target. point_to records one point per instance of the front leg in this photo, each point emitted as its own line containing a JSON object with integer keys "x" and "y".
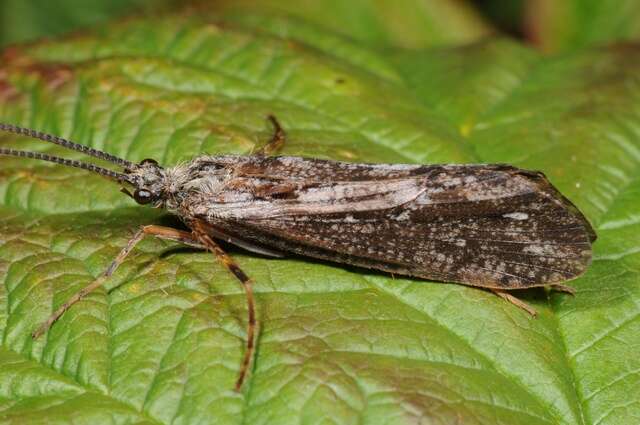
{"x": 153, "y": 230}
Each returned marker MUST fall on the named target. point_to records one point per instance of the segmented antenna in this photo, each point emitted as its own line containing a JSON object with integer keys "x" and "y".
{"x": 64, "y": 161}
{"x": 67, "y": 144}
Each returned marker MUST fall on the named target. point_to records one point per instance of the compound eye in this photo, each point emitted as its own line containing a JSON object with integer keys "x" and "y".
{"x": 142, "y": 196}
{"x": 149, "y": 161}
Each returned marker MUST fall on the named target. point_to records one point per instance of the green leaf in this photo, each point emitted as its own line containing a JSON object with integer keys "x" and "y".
{"x": 561, "y": 25}
{"x": 163, "y": 341}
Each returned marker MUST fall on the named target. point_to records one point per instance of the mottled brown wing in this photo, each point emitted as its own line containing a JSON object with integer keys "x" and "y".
{"x": 492, "y": 226}
{"x": 293, "y": 168}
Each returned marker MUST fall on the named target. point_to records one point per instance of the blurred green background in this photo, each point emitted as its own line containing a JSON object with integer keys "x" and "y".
{"x": 25, "y": 20}
{"x": 550, "y": 25}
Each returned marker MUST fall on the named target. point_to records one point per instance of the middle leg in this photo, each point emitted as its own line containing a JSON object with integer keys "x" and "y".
{"x": 201, "y": 234}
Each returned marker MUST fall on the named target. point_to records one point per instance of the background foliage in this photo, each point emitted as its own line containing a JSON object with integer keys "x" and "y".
{"x": 410, "y": 82}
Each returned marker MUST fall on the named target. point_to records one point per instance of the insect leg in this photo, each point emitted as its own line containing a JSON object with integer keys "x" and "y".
{"x": 244, "y": 244}
{"x": 563, "y": 288}
{"x": 515, "y": 301}
{"x": 199, "y": 231}
{"x": 157, "y": 231}
{"x": 277, "y": 140}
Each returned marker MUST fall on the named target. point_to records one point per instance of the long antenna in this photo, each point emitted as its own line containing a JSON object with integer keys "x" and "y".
{"x": 10, "y": 128}
{"x": 68, "y": 162}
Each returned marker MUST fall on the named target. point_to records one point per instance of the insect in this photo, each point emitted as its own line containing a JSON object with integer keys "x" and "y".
{"x": 491, "y": 226}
